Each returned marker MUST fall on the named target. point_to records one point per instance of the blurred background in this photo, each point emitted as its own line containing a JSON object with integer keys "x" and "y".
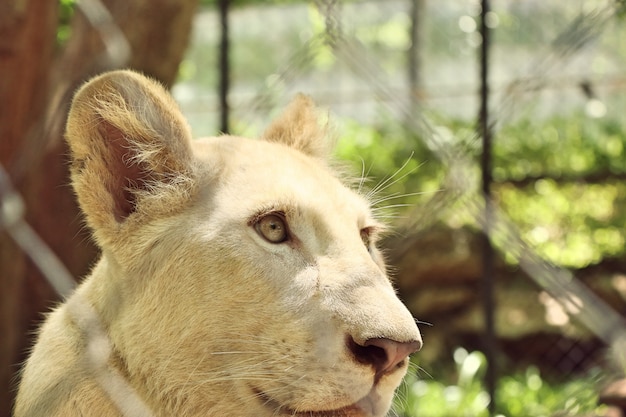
{"x": 492, "y": 132}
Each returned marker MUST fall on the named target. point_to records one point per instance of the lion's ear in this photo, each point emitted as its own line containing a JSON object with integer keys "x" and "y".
{"x": 131, "y": 150}
{"x": 300, "y": 127}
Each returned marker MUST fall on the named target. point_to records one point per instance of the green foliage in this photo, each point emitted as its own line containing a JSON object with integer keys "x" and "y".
{"x": 524, "y": 394}
{"x": 390, "y": 146}
{"x": 527, "y": 394}
{"x": 66, "y": 11}
{"x": 572, "y": 224}
{"x": 621, "y": 8}
{"x": 559, "y": 180}
{"x": 238, "y": 3}
{"x": 572, "y": 145}
{"x": 464, "y": 397}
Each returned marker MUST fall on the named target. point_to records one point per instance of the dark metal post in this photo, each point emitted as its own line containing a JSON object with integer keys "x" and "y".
{"x": 414, "y": 61}
{"x": 484, "y": 126}
{"x": 224, "y": 65}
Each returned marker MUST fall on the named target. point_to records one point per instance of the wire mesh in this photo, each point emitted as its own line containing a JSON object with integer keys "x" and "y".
{"x": 461, "y": 188}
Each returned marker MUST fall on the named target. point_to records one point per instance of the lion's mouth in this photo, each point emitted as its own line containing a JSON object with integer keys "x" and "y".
{"x": 279, "y": 409}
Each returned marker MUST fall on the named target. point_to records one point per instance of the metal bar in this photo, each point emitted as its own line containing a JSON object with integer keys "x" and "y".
{"x": 488, "y": 252}
{"x": 224, "y": 65}
{"x": 414, "y": 59}
{"x": 414, "y": 63}
{"x": 12, "y": 220}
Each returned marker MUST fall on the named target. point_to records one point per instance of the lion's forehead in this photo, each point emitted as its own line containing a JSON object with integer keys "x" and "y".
{"x": 257, "y": 175}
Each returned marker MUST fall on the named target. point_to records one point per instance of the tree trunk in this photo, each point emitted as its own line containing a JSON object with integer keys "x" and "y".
{"x": 25, "y": 57}
{"x": 35, "y": 91}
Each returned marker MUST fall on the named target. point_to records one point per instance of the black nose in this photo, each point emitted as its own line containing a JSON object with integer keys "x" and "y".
{"x": 385, "y": 355}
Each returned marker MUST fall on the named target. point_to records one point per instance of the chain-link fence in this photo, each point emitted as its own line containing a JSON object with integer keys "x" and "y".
{"x": 420, "y": 65}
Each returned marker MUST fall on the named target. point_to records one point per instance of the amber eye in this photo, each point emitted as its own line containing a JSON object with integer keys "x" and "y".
{"x": 273, "y": 228}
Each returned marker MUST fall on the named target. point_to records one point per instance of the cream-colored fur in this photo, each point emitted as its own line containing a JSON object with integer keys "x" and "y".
{"x": 238, "y": 277}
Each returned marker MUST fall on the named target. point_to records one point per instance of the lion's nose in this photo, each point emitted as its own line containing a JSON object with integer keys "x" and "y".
{"x": 385, "y": 355}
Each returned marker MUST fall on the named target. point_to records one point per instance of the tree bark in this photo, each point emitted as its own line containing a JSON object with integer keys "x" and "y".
{"x": 35, "y": 91}
{"x": 25, "y": 57}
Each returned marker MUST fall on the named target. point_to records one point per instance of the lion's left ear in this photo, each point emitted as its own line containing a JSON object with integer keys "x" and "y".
{"x": 301, "y": 128}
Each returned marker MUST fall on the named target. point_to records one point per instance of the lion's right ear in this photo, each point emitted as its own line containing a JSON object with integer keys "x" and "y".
{"x": 131, "y": 151}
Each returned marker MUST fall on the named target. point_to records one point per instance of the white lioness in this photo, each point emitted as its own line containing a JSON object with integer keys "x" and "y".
{"x": 238, "y": 277}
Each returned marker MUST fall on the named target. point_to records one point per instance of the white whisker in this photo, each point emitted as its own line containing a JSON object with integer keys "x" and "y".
{"x": 390, "y": 206}
{"x": 363, "y": 176}
{"x": 401, "y": 195}
{"x": 392, "y": 179}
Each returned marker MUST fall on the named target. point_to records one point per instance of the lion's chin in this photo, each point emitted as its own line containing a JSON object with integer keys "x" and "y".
{"x": 365, "y": 407}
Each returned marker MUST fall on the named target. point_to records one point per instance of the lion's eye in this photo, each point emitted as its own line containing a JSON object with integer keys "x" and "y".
{"x": 273, "y": 228}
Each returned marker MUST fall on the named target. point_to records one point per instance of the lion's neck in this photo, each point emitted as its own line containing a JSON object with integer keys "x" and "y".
{"x": 101, "y": 358}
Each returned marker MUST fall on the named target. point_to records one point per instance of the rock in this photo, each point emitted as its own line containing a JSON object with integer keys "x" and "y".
{"x": 438, "y": 273}
{"x": 614, "y": 394}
